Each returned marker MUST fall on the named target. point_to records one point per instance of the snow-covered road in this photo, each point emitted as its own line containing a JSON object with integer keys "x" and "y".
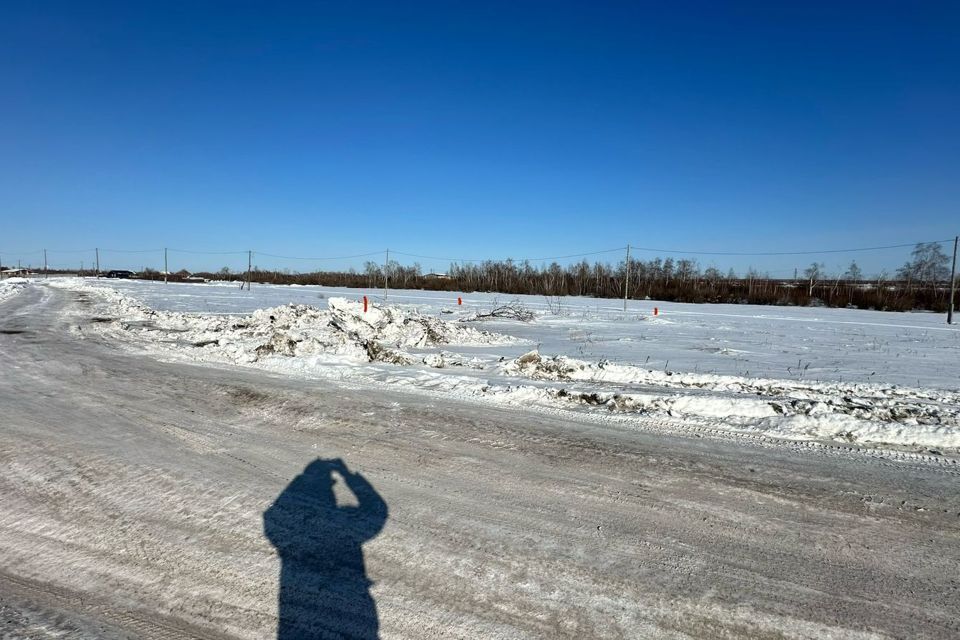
{"x": 135, "y": 496}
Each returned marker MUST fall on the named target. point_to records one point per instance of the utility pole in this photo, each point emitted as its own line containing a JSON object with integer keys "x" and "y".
{"x": 953, "y": 281}
{"x": 626, "y": 285}
{"x": 249, "y": 267}
{"x": 165, "y": 269}
{"x": 98, "y": 261}
{"x": 45, "y": 274}
{"x": 386, "y": 275}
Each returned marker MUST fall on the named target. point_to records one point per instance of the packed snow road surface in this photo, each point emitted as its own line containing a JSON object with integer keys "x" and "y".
{"x": 155, "y": 499}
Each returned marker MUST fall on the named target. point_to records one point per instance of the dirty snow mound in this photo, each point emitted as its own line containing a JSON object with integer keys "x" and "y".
{"x": 11, "y": 287}
{"x": 405, "y": 328}
{"x": 343, "y": 331}
{"x": 795, "y": 410}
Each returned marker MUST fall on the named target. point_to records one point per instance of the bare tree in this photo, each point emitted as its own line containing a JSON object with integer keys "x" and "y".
{"x": 853, "y": 272}
{"x": 928, "y": 265}
{"x": 813, "y": 274}
{"x": 687, "y": 270}
{"x": 372, "y": 271}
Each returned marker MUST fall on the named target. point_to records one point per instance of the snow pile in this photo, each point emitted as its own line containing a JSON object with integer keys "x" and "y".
{"x": 789, "y": 409}
{"x": 11, "y": 287}
{"x": 342, "y": 331}
{"x": 736, "y": 414}
{"x": 786, "y": 397}
{"x": 405, "y": 328}
{"x": 843, "y": 428}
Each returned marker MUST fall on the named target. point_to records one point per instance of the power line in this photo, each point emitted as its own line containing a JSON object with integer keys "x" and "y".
{"x": 785, "y": 253}
{"x": 359, "y": 255}
{"x": 477, "y": 260}
{"x": 572, "y": 255}
{"x": 209, "y": 253}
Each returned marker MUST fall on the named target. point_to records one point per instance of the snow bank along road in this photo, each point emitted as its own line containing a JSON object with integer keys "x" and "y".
{"x": 166, "y": 500}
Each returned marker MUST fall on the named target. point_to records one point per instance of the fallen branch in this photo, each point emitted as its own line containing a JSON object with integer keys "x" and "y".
{"x": 509, "y": 311}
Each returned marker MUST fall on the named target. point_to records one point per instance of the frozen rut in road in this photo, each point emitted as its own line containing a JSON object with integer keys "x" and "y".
{"x": 134, "y": 495}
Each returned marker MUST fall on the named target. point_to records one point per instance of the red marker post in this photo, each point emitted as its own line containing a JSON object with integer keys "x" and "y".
{"x": 656, "y": 311}
{"x": 459, "y": 301}
{"x": 364, "y": 304}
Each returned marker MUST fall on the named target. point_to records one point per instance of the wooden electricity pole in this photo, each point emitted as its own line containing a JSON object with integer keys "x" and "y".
{"x": 45, "y": 274}
{"x": 953, "y": 281}
{"x": 166, "y": 271}
{"x": 98, "y": 261}
{"x": 249, "y": 267}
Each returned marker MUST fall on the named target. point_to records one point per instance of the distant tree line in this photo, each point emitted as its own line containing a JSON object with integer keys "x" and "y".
{"x": 921, "y": 283}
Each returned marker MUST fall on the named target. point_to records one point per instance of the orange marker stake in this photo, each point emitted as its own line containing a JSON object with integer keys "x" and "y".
{"x": 459, "y": 300}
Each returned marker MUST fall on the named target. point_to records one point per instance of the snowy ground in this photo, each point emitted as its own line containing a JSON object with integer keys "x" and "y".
{"x": 140, "y": 497}
{"x": 870, "y": 378}
{"x": 789, "y": 343}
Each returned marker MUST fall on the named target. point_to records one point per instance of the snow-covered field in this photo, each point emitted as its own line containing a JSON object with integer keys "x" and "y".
{"x": 798, "y": 373}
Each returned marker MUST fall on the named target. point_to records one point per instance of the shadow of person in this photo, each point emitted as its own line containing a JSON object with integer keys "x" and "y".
{"x": 324, "y": 589}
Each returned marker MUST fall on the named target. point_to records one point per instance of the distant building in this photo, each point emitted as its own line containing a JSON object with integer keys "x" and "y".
{"x": 436, "y": 276}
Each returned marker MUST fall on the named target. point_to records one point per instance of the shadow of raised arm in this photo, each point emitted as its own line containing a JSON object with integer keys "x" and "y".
{"x": 371, "y": 511}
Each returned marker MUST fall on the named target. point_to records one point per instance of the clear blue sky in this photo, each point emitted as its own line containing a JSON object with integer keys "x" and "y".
{"x": 477, "y": 129}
